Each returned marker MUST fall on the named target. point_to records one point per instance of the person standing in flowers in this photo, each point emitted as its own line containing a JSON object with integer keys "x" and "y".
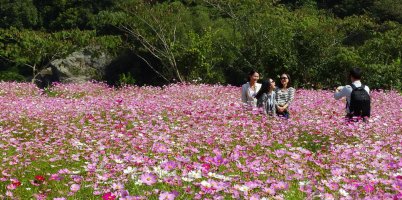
{"x": 284, "y": 96}
{"x": 250, "y": 89}
{"x": 266, "y": 97}
{"x": 357, "y": 97}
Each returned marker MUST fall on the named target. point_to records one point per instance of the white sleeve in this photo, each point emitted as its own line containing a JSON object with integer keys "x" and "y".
{"x": 342, "y": 93}
{"x": 243, "y": 94}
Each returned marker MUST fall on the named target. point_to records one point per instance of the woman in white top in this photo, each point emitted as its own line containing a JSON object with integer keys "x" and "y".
{"x": 250, "y": 89}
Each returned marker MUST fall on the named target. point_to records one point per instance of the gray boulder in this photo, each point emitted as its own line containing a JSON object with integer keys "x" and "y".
{"x": 80, "y": 66}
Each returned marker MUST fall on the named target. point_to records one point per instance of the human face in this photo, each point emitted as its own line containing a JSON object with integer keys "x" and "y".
{"x": 284, "y": 79}
{"x": 271, "y": 84}
{"x": 254, "y": 78}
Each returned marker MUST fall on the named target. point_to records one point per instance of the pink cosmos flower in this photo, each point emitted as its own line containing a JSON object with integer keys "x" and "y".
{"x": 11, "y": 186}
{"x": 75, "y": 187}
{"x": 328, "y": 196}
{"x": 148, "y": 178}
{"x": 15, "y": 182}
{"x": 55, "y": 177}
{"x": 281, "y": 185}
{"x": 118, "y": 186}
{"x": 169, "y": 165}
{"x": 369, "y": 188}
{"x": 271, "y": 191}
{"x": 9, "y": 193}
{"x": 167, "y": 196}
{"x": 40, "y": 196}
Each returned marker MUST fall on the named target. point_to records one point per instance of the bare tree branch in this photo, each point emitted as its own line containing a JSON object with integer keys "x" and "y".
{"x": 165, "y": 51}
{"x": 218, "y": 6}
{"x": 156, "y": 71}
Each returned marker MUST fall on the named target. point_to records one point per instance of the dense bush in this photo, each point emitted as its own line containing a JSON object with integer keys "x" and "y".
{"x": 211, "y": 41}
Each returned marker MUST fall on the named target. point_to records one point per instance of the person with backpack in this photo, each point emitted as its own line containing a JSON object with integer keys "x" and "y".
{"x": 250, "y": 89}
{"x": 266, "y": 97}
{"x": 357, "y": 97}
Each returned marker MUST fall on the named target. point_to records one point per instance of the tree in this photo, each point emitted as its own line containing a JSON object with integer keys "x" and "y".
{"x": 158, "y": 33}
{"x": 35, "y": 50}
{"x": 19, "y": 14}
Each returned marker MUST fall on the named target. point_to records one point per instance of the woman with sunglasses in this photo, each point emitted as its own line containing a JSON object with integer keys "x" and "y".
{"x": 284, "y": 96}
{"x": 266, "y": 97}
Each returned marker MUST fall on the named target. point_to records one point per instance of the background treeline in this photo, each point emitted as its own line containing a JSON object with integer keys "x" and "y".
{"x": 210, "y": 41}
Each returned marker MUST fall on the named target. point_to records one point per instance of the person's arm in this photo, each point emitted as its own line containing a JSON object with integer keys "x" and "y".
{"x": 275, "y": 104}
{"x": 291, "y": 93}
{"x": 243, "y": 94}
{"x": 264, "y": 104}
{"x": 276, "y": 98}
{"x": 341, "y": 92}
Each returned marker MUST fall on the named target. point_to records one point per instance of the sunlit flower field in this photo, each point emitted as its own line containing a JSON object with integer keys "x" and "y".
{"x": 90, "y": 141}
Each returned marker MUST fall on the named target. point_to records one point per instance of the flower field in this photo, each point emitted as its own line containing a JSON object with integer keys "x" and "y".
{"x": 89, "y": 141}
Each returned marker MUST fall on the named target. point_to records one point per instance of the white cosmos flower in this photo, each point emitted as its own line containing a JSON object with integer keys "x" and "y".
{"x": 218, "y": 176}
{"x": 138, "y": 182}
{"x": 187, "y": 179}
{"x": 163, "y": 173}
{"x": 244, "y": 188}
{"x": 343, "y": 192}
{"x": 206, "y": 184}
{"x": 129, "y": 170}
{"x": 195, "y": 174}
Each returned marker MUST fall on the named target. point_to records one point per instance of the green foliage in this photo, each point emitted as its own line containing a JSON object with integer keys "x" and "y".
{"x": 62, "y": 14}
{"x": 294, "y": 192}
{"x": 198, "y": 59}
{"x": 210, "y": 41}
{"x": 35, "y": 50}
{"x": 19, "y": 13}
{"x": 384, "y": 76}
{"x": 387, "y": 10}
{"x": 313, "y": 142}
{"x": 11, "y": 76}
{"x": 126, "y": 79}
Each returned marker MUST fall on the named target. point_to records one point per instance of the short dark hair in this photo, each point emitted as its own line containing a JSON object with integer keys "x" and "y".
{"x": 356, "y": 73}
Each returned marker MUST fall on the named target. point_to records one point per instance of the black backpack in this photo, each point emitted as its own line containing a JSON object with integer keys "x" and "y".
{"x": 359, "y": 102}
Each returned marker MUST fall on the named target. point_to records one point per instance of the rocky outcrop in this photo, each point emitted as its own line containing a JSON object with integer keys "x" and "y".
{"x": 80, "y": 66}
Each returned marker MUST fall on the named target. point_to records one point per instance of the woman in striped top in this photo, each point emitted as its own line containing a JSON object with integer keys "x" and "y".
{"x": 284, "y": 96}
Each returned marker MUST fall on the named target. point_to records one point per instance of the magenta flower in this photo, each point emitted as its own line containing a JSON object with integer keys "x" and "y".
{"x": 206, "y": 167}
{"x": 148, "y": 179}
{"x": 108, "y": 196}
